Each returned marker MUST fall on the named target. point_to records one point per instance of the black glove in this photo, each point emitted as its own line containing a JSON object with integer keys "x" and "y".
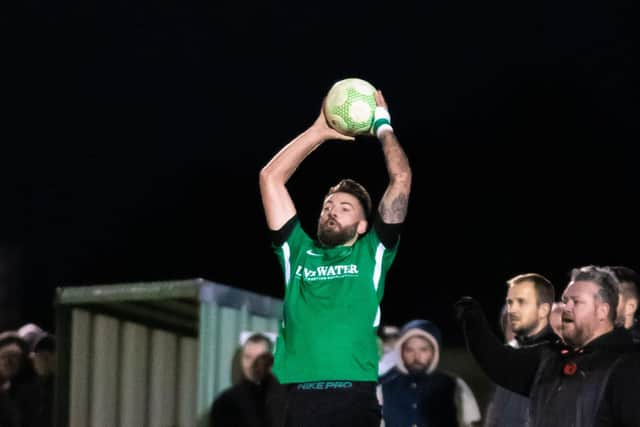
{"x": 466, "y": 306}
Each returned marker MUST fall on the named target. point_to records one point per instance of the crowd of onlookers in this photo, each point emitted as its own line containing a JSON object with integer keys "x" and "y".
{"x": 412, "y": 388}
{"x": 27, "y": 373}
{"x": 556, "y": 362}
{"x": 570, "y": 362}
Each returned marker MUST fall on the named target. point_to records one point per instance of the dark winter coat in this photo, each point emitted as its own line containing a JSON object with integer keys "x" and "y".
{"x": 592, "y": 387}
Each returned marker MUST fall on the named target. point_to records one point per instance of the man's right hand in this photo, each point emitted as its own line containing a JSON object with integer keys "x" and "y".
{"x": 327, "y": 132}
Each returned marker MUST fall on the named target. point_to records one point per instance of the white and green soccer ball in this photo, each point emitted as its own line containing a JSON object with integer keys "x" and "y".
{"x": 350, "y": 106}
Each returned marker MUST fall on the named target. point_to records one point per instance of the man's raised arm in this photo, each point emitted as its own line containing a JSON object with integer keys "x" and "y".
{"x": 395, "y": 201}
{"x": 277, "y": 203}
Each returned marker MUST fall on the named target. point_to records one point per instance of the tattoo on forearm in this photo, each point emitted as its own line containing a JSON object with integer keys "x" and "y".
{"x": 395, "y": 210}
{"x": 394, "y": 204}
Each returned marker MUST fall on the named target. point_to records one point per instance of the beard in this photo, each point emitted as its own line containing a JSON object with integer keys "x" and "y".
{"x": 524, "y": 330}
{"x": 335, "y": 235}
{"x": 417, "y": 368}
{"x": 573, "y": 335}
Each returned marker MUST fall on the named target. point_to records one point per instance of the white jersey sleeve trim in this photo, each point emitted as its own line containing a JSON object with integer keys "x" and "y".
{"x": 377, "y": 273}
{"x": 286, "y": 255}
{"x": 377, "y": 270}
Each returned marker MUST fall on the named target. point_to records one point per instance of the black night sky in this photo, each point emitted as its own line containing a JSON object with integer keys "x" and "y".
{"x": 135, "y": 132}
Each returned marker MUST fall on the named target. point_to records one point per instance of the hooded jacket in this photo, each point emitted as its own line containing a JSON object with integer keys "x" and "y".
{"x": 426, "y": 399}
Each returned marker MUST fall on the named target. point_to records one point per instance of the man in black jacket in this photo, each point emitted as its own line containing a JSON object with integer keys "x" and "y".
{"x": 585, "y": 380}
{"x": 258, "y": 400}
{"x": 528, "y": 305}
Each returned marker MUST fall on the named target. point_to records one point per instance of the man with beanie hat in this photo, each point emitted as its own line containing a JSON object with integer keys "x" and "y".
{"x": 414, "y": 392}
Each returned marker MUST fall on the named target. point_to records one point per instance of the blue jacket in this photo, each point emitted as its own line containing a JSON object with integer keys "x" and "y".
{"x": 424, "y": 399}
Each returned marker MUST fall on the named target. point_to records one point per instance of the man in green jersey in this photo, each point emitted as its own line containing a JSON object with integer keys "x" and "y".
{"x": 327, "y": 351}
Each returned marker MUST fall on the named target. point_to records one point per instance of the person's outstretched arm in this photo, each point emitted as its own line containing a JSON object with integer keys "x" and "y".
{"x": 395, "y": 201}
{"x": 277, "y": 203}
{"x": 513, "y": 369}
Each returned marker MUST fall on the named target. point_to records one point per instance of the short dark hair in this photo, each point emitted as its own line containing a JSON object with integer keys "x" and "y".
{"x": 259, "y": 338}
{"x": 628, "y": 279}
{"x": 545, "y": 292}
{"x": 355, "y": 189}
{"x": 607, "y": 283}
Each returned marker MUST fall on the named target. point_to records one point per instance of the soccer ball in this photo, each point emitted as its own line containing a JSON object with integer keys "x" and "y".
{"x": 350, "y": 106}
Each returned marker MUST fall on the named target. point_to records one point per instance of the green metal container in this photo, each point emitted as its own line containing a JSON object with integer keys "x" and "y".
{"x": 150, "y": 354}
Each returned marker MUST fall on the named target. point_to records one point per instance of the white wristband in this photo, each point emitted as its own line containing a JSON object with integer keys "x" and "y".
{"x": 381, "y": 113}
{"x": 385, "y": 127}
{"x": 381, "y": 121}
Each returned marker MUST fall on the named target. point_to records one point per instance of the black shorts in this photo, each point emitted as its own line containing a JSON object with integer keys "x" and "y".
{"x": 332, "y": 404}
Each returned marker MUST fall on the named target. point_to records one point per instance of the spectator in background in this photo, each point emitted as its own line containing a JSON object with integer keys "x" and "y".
{"x": 555, "y": 317}
{"x": 42, "y": 350}
{"x": 12, "y": 353}
{"x": 528, "y": 306}
{"x": 627, "y": 309}
{"x": 20, "y": 394}
{"x": 415, "y": 392}
{"x": 257, "y": 400}
{"x": 42, "y": 358}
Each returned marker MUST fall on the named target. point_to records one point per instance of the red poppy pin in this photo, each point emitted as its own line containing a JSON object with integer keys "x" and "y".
{"x": 569, "y": 368}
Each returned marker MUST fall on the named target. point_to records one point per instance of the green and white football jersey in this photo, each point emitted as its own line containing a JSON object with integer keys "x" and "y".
{"x": 331, "y": 308}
